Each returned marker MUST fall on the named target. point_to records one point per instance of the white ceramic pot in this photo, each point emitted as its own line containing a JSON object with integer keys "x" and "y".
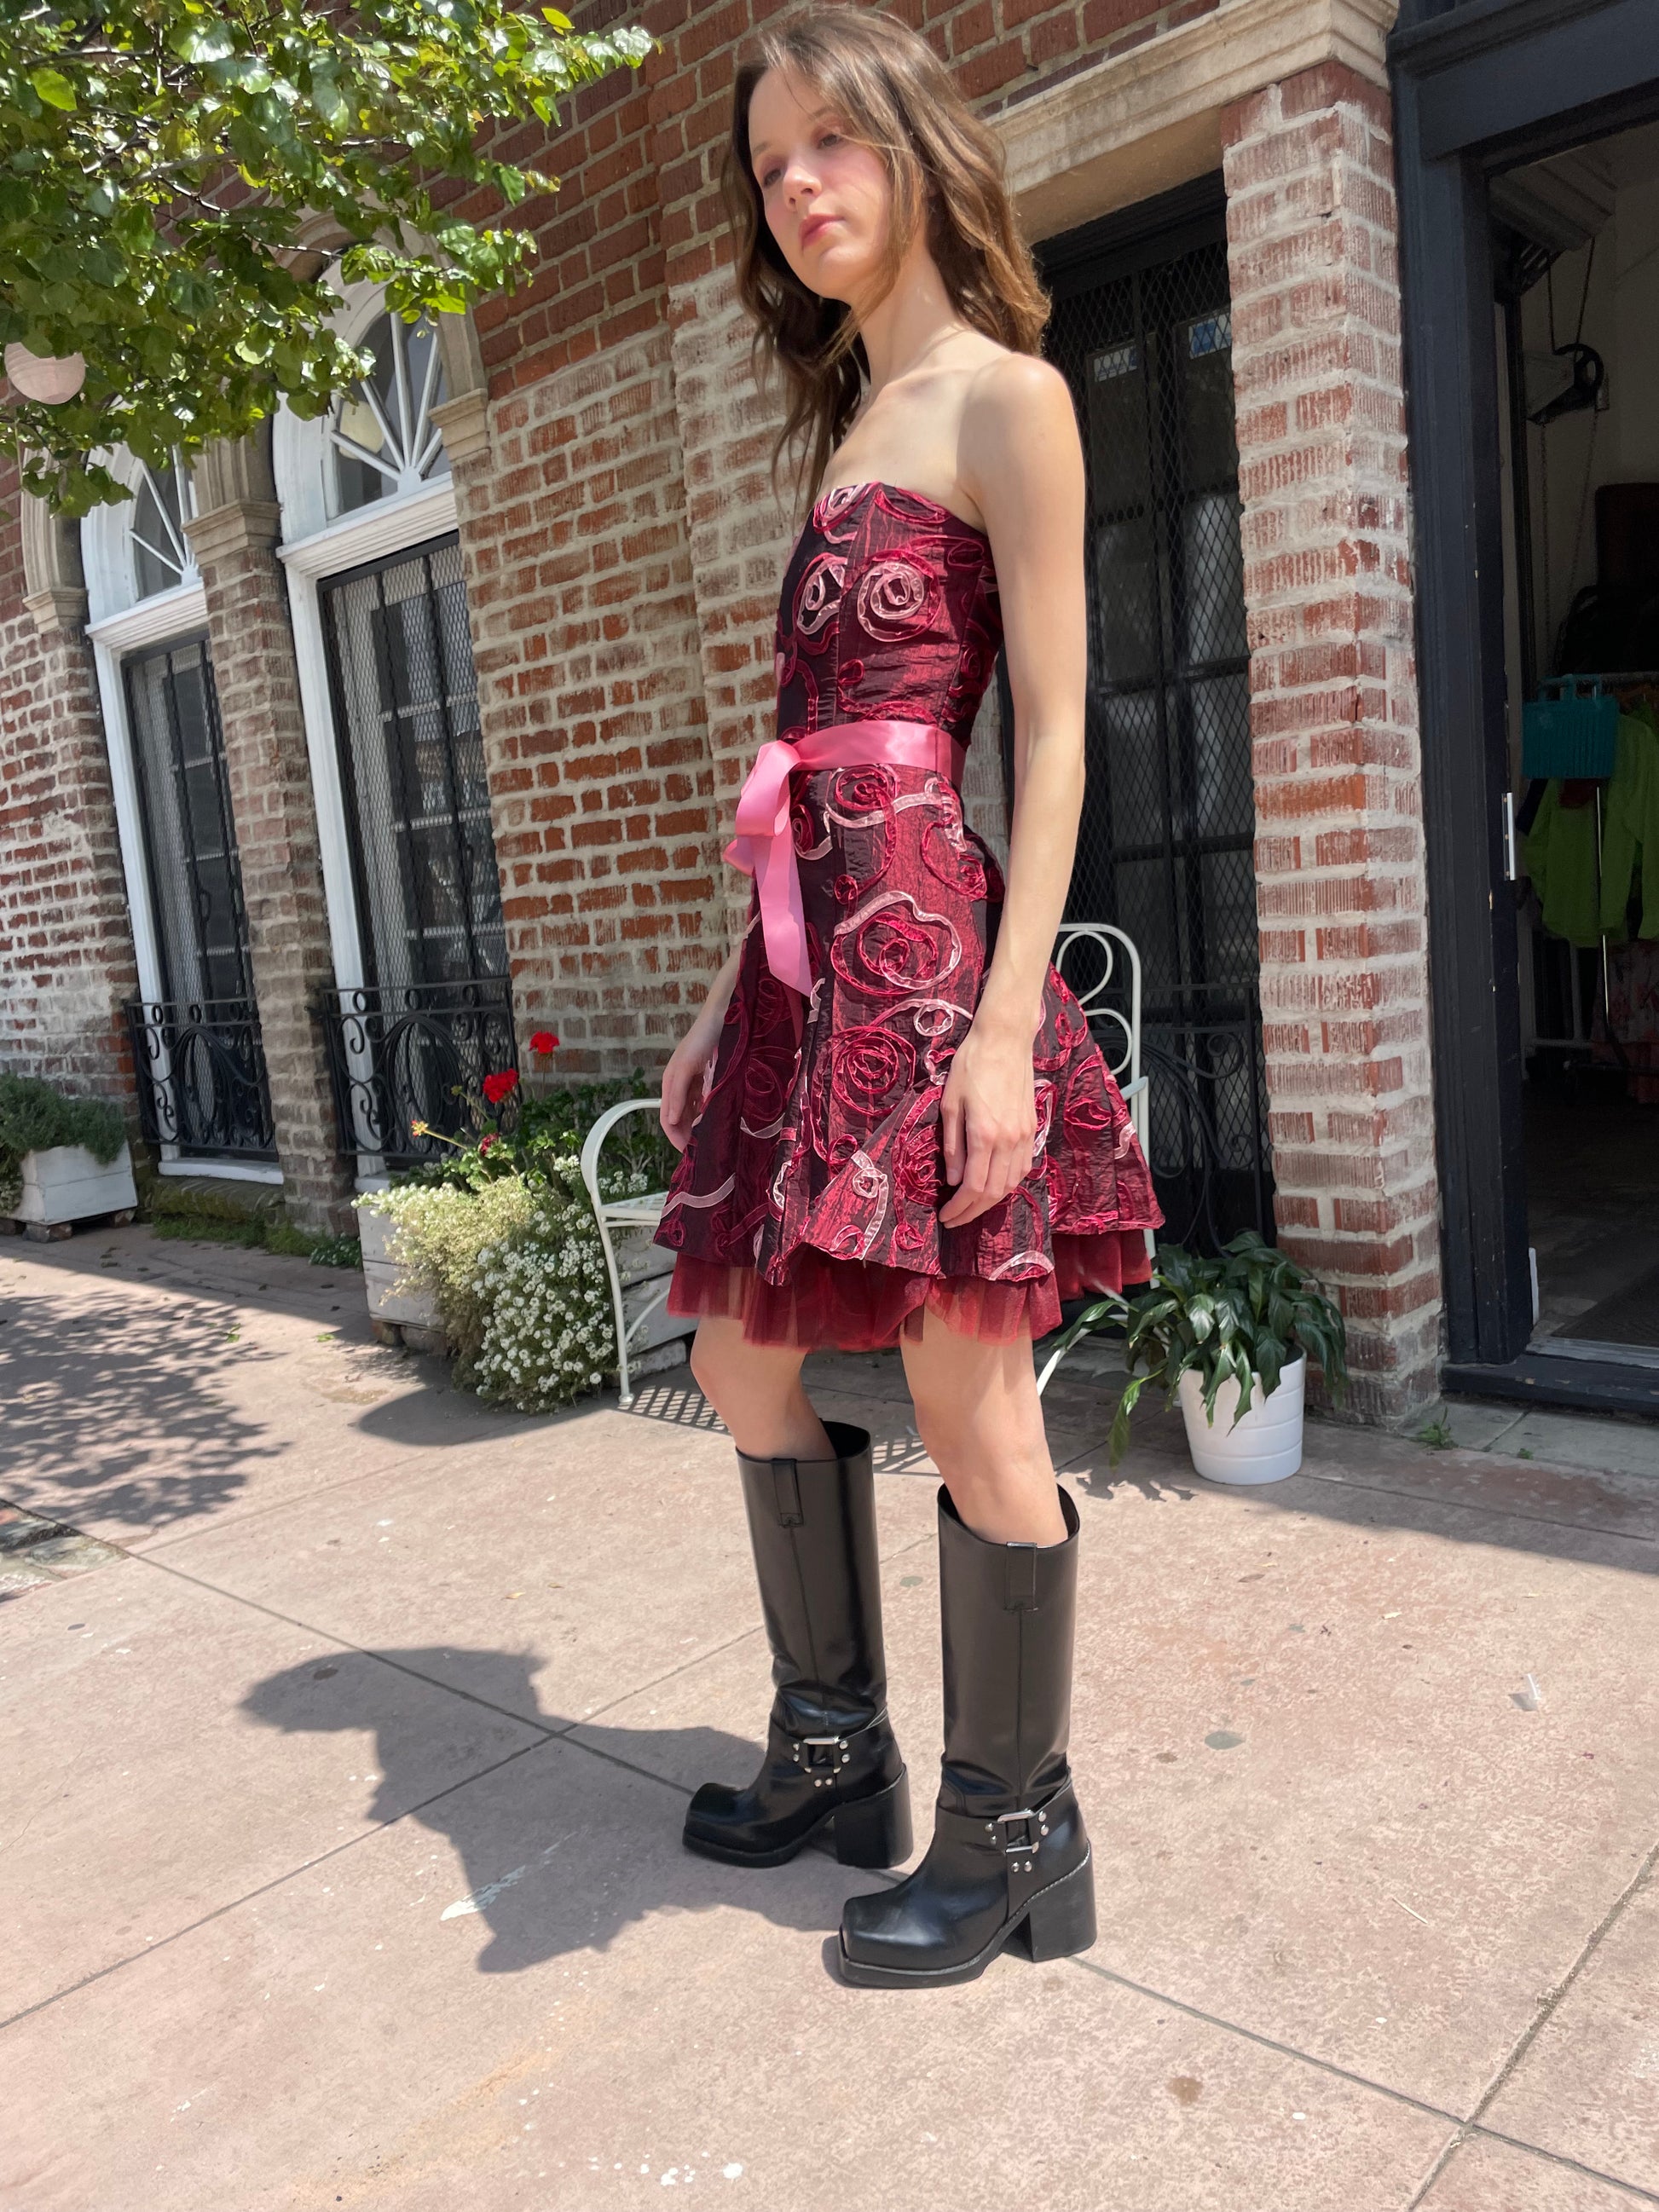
{"x": 66, "y": 1183}
{"x": 1266, "y": 1445}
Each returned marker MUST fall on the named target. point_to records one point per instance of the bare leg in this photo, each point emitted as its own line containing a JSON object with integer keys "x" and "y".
{"x": 981, "y": 1420}
{"x": 755, "y": 1389}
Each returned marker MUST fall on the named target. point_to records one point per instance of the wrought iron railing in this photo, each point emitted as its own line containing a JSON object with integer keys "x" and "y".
{"x": 1209, "y": 1152}
{"x": 1210, "y": 1160}
{"x": 201, "y": 1070}
{"x": 415, "y": 1055}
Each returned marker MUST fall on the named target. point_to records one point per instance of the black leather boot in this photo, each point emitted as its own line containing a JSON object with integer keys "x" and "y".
{"x": 1009, "y": 1862}
{"x": 830, "y": 1755}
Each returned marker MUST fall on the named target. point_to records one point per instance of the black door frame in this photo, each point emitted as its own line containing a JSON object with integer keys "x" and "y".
{"x": 1479, "y": 85}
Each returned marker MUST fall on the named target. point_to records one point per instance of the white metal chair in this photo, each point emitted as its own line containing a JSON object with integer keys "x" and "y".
{"x": 1107, "y": 939}
{"x": 640, "y": 1276}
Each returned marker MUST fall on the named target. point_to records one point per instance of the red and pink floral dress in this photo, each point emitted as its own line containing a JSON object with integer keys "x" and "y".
{"x": 807, "y": 1203}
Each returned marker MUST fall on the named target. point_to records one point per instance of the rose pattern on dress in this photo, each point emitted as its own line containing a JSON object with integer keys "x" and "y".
{"x": 817, "y": 1166}
{"x": 895, "y": 600}
{"x": 817, "y": 601}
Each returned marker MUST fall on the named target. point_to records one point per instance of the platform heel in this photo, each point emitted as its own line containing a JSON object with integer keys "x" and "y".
{"x": 876, "y": 1830}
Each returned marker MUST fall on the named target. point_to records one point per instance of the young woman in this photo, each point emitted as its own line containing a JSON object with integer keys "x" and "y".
{"x": 896, "y": 1125}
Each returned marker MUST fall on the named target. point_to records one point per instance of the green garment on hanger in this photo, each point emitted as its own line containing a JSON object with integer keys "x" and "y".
{"x": 1560, "y": 857}
{"x": 1630, "y": 832}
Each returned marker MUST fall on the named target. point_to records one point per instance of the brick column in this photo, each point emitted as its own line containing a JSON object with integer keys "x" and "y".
{"x": 1340, "y": 855}
{"x": 66, "y": 958}
{"x": 276, "y": 817}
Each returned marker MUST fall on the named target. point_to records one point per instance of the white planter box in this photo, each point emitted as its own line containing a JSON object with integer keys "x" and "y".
{"x": 408, "y": 1307}
{"x": 1266, "y": 1445}
{"x": 67, "y": 1184}
{"x": 644, "y": 1267}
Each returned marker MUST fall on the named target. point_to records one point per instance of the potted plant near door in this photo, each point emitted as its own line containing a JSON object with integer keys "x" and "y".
{"x": 62, "y": 1159}
{"x": 1228, "y": 1339}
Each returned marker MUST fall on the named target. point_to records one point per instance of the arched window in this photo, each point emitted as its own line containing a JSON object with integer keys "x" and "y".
{"x": 161, "y": 553}
{"x": 136, "y": 549}
{"x": 382, "y": 441}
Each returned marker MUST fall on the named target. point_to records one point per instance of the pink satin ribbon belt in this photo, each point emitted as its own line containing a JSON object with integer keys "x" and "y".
{"x": 764, "y": 847}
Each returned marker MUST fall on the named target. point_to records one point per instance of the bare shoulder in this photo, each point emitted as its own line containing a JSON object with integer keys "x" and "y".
{"x": 1018, "y": 426}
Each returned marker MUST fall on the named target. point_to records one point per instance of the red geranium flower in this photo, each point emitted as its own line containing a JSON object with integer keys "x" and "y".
{"x": 501, "y": 1085}
{"x": 484, "y": 1143}
{"x": 543, "y": 1041}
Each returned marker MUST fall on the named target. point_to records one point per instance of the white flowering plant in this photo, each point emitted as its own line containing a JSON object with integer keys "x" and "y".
{"x": 516, "y": 1268}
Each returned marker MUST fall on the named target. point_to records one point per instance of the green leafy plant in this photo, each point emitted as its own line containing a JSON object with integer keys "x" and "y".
{"x": 509, "y": 1130}
{"x": 163, "y": 166}
{"x": 35, "y": 1117}
{"x": 1250, "y": 1311}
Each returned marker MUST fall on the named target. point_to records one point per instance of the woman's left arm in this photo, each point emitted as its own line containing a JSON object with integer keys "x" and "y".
{"x": 1020, "y": 460}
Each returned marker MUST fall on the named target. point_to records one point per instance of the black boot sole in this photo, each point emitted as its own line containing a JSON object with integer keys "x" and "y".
{"x": 1058, "y": 1923}
{"x": 870, "y": 1832}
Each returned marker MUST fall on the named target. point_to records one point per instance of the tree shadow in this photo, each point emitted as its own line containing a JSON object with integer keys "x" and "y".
{"x": 113, "y": 1409}
{"x": 544, "y": 1863}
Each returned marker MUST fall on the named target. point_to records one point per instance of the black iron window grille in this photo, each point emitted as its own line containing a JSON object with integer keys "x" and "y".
{"x": 433, "y": 1015}
{"x": 1142, "y": 332}
{"x": 417, "y": 1055}
{"x": 201, "y": 1071}
{"x": 412, "y": 767}
{"x": 197, "y": 1049}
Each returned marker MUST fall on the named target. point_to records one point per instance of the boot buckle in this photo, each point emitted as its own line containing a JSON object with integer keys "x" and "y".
{"x": 828, "y": 1751}
{"x": 1035, "y": 1826}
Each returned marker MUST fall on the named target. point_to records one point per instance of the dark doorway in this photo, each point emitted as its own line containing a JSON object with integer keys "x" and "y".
{"x": 1525, "y": 157}
{"x": 197, "y": 1050}
{"x": 434, "y": 1015}
{"x": 1142, "y": 330}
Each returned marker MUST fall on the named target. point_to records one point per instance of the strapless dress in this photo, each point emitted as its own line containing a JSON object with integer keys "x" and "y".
{"x": 807, "y": 1202}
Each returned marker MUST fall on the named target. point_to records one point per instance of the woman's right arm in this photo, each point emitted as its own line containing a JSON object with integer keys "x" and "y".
{"x": 683, "y": 1078}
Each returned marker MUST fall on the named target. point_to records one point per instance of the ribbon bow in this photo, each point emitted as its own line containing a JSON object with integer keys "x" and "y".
{"x": 764, "y": 847}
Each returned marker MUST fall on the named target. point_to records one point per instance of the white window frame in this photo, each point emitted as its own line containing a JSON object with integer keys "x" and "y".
{"x": 120, "y": 625}
{"x": 315, "y": 549}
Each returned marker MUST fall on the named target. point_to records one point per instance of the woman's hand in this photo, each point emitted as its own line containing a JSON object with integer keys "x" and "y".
{"x": 685, "y": 1079}
{"x": 988, "y": 1116}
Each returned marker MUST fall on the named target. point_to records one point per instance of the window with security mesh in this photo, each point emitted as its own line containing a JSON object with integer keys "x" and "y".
{"x": 195, "y": 881}
{"x": 406, "y": 715}
{"x": 1165, "y": 847}
{"x": 197, "y": 1047}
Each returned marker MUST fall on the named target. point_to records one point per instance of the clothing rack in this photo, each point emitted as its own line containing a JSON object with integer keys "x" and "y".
{"x": 1629, "y": 688}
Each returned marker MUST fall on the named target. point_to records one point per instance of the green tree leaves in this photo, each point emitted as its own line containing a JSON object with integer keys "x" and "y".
{"x": 160, "y": 162}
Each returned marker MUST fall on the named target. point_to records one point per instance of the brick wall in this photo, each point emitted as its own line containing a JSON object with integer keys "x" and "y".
{"x": 66, "y": 960}
{"x": 1339, "y": 855}
{"x": 584, "y": 633}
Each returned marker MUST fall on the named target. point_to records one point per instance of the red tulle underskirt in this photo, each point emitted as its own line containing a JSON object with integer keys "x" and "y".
{"x": 848, "y": 1305}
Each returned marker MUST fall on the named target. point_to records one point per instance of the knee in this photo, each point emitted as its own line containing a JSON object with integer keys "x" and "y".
{"x": 711, "y": 1366}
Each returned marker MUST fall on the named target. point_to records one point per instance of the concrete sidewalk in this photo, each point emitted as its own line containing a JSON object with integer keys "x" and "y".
{"x": 345, "y": 1766}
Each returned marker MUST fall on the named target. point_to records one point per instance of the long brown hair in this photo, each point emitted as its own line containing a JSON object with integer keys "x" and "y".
{"x": 894, "y": 94}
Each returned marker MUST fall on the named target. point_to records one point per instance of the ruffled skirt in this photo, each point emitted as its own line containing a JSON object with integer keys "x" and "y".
{"x": 807, "y": 1203}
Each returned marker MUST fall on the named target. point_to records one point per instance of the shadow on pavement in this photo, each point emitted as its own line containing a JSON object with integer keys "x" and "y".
{"x": 527, "y": 1855}
{"x": 114, "y": 1406}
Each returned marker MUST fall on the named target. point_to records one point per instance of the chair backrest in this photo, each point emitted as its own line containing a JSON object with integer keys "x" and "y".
{"x": 1112, "y": 947}
{"x": 601, "y": 1129}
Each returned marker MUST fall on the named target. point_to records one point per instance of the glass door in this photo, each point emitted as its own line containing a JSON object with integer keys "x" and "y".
{"x": 1143, "y": 336}
{"x": 434, "y": 1014}
{"x": 197, "y": 1049}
